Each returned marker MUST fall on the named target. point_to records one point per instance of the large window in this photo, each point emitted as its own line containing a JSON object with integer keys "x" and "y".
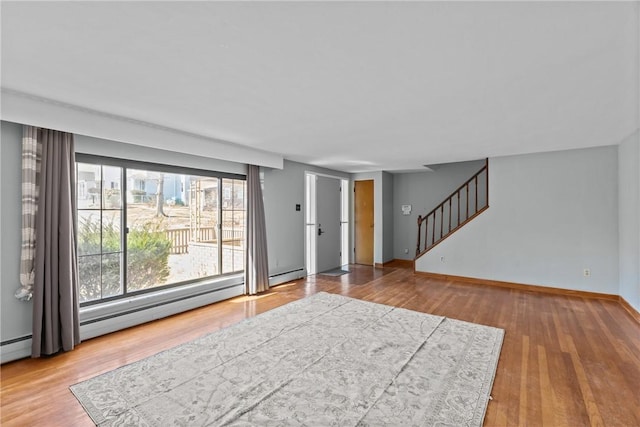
{"x": 144, "y": 226}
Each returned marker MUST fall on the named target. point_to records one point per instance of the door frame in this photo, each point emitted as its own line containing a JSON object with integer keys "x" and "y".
{"x": 311, "y": 224}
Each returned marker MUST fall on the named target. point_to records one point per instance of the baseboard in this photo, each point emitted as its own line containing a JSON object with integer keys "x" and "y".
{"x": 520, "y": 286}
{"x": 403, "y": 263}
{"x": 632, "y": 311}
{"x": 16, "y": 349}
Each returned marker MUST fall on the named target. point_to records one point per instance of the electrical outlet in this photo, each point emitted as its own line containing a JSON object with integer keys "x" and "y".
{"x": 441, "y": 259}
{"x": 586, "y": 272}
{"x": 406, "y": 250}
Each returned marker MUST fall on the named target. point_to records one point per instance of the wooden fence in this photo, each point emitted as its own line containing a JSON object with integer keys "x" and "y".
{"x": 180, "y": 237}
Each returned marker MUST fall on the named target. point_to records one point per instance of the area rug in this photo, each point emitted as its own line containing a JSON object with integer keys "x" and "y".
{"x": 326, "y": 360}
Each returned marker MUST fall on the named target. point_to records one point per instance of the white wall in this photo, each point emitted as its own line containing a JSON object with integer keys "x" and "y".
{"x": 629, "y": 219}
{"x": 551, "y": 215}
{"x": 423, "y": 191}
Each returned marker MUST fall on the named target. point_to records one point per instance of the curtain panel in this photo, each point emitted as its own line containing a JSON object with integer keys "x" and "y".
{"x": 56, "y": 324}
{"x": 257, "y": 262}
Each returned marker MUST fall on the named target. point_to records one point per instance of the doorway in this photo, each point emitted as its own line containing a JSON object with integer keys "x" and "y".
{"x": 364, "y": 222}
{"x": 327, "y": 223}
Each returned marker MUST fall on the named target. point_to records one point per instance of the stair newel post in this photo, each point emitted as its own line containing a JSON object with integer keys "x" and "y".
{"x": 419, "y": 226}
{"x": 441, "y": 219}
{"x": 449, "y": 214}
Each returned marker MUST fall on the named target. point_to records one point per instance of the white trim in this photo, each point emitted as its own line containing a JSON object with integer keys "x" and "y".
{"x": 24, "y": 108}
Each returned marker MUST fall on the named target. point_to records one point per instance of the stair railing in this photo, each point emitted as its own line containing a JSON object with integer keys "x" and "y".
{"x": 465, "y": 203}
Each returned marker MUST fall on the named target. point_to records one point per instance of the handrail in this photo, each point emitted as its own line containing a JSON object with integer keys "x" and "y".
{"x": 455, "y": 195}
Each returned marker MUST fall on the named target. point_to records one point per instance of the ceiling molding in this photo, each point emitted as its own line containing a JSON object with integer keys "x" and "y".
{"x": 25, "y": 108}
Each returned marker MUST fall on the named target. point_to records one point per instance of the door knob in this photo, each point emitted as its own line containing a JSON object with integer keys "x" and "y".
{"x": 320, "y": 232}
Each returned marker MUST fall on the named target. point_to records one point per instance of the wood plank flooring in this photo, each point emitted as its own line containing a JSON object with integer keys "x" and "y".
{"x": 565, "y": 361}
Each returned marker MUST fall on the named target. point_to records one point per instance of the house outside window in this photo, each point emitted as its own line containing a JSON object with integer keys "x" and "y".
{"x": 143, "y": 227}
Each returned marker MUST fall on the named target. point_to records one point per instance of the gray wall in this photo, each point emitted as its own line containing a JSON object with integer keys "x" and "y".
{"x": 15, "y": 316}
{"x": 283, "y": 189}
{"x": 387, "y": 216}
{"x": 551, "y": 215}
{"x": 629, "y": 219}
{"x": 423, "y": 191}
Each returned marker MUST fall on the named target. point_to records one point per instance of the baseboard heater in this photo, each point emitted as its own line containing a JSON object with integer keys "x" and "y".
{"x": 19, "y": 348}
{"x": 287, "y": 276}
{"x": 104, "y": 323}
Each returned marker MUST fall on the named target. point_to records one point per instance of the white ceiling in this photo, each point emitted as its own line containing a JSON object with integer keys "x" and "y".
{"x": 353, "y": 86}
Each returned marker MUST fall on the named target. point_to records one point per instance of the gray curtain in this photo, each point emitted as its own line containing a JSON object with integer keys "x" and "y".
{"x": 257, "y": 264}
{"x": 55, "y": 298}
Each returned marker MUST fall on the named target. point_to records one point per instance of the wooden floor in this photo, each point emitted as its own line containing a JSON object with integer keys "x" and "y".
{"x": 565, "y": 361}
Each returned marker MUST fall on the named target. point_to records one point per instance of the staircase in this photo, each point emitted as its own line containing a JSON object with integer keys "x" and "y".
{"x": 464, "y": 204}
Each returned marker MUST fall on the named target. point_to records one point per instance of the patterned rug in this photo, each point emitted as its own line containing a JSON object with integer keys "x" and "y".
{"x": 320, "y": 361}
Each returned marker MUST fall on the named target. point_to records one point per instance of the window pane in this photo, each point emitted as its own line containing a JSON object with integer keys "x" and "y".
{"x": 238, "y": 228}
{"x": 173, "y": 231}
{"x": 209, "y": 186}
{"x": 89, "y": 277}
{"x": 238, "y": 194}
{"x": 233, "y": 237}
{"x": 227, "y": 193}
{"x": 89, "y": 238}
{"x": 111, "y": 283}
{"x": 227, "y": 224}
{"x": 233, "y": 225}
{"x": 148, "y": 249}
{"x": 88, "y": 186}
{"x": 111, "y": 232}
{"x": 111, "y": 177}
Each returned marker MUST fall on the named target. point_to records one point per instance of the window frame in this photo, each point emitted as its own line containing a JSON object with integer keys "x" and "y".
{"x": 126, "y": 164}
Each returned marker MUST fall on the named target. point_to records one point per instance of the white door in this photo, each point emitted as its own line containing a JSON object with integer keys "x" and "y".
{"x": 328, "y": 220}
